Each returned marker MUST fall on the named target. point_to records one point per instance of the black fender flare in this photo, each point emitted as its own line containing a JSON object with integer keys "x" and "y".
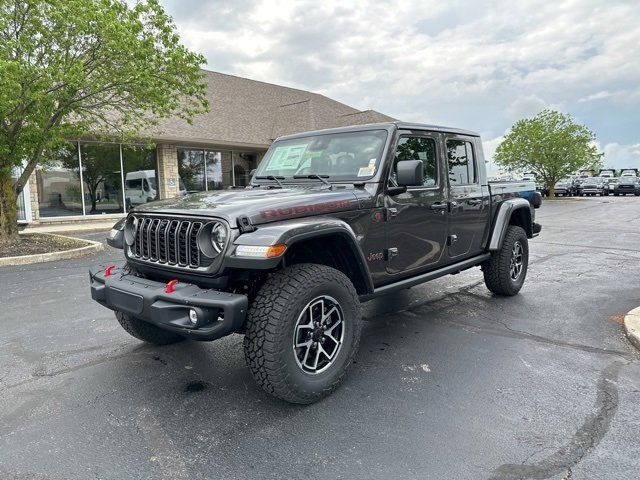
{"x": 503, "y": 219}
{"x": 290, "y": 232}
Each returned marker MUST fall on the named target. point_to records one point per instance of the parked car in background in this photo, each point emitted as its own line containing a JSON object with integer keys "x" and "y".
{"x": 563, "y": 188}
{"x": 612, "y": 182}
{"x": 577, "y": 185}
{"x": 629, "y": 172}
{"x": 594, "y": 186}
{"x": 627, "y": 185}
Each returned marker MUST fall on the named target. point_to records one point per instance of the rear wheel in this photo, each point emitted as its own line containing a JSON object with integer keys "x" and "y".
{"x": 303, "y": 330}
{"x": 145, "y": 331}
{"x": 505, "y": 271}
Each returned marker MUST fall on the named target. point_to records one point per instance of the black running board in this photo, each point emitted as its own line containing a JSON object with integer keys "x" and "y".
{"x": 425, "y": 277}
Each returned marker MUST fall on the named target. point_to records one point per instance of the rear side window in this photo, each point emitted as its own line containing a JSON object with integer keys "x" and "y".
{"x": 418, "y": 148}
{"x": 462, "y": 163}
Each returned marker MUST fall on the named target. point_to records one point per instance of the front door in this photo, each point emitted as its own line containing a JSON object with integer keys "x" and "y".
{"x": 417, "y": 219}
{"x": 469, "y": 200}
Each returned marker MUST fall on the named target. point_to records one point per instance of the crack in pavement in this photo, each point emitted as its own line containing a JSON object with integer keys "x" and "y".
{"x": 586, "y": 438}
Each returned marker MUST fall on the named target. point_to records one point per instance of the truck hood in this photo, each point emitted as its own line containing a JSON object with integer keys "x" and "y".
{"x": 261, "y": 205}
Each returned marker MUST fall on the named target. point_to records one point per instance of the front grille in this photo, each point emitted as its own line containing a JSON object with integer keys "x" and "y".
{"x": 168, "y": 241}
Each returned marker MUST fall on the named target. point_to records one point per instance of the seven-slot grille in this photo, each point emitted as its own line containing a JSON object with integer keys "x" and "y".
{"x": 169, "y": 241}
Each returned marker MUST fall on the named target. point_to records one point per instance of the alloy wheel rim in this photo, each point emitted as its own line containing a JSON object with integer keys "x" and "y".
{"x": 517, "y": 261}
{"x": 318, "y": 335}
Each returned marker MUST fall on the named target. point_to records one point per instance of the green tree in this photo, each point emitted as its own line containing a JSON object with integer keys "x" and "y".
{"x": 70, "y": 68}
{"x": 551, "y": 145}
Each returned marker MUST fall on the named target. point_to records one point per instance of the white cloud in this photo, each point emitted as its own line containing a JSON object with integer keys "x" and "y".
{"x": 621, "y": 156}
{"x": 596, "y": 96}
{"x": 477, "y": 65}
{"x": 523, "y": 107}
{"x": 489, "y": 147}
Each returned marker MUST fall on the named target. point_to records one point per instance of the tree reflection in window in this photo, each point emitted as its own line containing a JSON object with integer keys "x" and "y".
{"x": 418, "y": 148}
{"x": 461, "y": 162}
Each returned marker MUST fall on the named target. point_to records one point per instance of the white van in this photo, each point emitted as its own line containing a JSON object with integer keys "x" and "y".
{"x": 141, "y": 187}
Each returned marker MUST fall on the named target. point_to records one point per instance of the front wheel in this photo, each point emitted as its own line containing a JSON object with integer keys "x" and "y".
{"x": 303, "y": 330}
{"x": 505, "y": 271}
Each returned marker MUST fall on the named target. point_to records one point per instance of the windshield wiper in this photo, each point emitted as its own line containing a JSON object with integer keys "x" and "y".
{"x": 272, "y": 177}
{"x": 316, "y": 176}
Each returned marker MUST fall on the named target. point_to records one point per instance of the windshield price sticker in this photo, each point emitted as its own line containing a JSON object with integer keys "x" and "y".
{"x": 286, "y": 157}
{"x": 366, "y": 171}
{"x": 369, "y": 170}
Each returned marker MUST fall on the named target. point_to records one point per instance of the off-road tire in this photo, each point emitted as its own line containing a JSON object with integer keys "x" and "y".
{"x": 497, "y": 270}
{"x": 271, "y": 321}
{"x": 145, "y": 331}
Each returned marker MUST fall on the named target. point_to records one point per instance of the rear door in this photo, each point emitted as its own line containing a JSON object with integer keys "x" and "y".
{"x": 468, "y": 196}
{"x": 417, "y": 219}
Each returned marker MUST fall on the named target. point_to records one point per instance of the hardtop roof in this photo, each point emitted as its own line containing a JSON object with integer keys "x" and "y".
{"x": 380, "y": 126}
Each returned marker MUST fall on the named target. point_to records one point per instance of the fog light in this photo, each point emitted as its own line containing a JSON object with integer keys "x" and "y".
{"x": 193, "y": 316}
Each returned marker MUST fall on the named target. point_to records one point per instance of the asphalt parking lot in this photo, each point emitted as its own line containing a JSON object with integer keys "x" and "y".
{"x": 450, "y": 382}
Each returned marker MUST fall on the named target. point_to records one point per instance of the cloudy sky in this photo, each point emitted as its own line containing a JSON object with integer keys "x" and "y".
{"x": 472, "y": 64}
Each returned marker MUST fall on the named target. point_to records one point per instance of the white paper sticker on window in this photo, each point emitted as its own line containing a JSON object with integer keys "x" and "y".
{"x": 366, "y": 171}
{"x": 286, "y": 157}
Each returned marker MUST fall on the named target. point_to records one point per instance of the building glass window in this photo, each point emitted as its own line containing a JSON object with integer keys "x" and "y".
{"x": 191, "y": 169}
{"x": 140, "y": 175}
{"x": 58, "y": 180}
{"x": 243, "y": 164}
{"x": 102, "y": 177}
{"x": 214, "y": 170}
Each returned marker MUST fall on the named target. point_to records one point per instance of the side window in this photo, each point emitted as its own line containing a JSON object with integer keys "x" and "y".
{"x": 462, "y": 170}
{"x": 418, "y": 148}
{"x": 135, "y": 184}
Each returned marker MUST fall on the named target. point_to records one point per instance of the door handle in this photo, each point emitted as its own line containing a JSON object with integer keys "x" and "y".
{"x": 438, "y": 206}
{"x": 474, "y": 202}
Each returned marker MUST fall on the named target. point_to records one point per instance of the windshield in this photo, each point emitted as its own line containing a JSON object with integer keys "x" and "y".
{"x": 152, "y": 182}
{"x": 338, "y": 156}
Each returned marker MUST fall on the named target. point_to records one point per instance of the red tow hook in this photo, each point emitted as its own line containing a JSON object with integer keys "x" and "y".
{"x": 170, "y": 286}
{"x": 107, "y": 271}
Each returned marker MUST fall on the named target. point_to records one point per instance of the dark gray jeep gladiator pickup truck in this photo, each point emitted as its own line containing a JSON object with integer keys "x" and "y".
{"x": 331, "y": 219}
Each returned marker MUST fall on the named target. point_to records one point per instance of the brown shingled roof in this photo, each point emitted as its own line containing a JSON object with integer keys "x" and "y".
{"x": 251, "y": 113}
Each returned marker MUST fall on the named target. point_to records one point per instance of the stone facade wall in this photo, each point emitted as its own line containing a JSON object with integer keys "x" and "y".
{"x": 33, "y": 196}
{"x": 168, "y": 171}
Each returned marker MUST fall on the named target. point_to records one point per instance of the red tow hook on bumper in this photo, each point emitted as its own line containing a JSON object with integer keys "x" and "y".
{"x": 107, "y": 271}
{"x": 170, "y": 286}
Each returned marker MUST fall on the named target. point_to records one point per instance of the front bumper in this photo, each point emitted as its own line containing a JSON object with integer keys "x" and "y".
{"x": 219, "y": 313}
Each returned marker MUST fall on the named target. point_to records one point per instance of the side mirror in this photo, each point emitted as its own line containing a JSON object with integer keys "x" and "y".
{"x": 409, "y": 173}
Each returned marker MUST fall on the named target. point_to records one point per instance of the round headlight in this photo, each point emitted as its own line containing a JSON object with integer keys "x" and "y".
{"x": 212, "y": 239}
{"x": 130, "y": 229}
{"x": 218, "y": 237}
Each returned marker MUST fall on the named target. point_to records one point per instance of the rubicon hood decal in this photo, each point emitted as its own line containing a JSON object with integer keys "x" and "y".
{"x": 259, "y": 204}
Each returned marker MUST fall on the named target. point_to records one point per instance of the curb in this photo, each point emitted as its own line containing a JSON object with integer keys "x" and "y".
{"x": 632, "y": 326}
{"x": 91, "y": 247}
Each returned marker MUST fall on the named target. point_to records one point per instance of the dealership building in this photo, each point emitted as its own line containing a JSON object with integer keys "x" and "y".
{"x": 219, "y": 149}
